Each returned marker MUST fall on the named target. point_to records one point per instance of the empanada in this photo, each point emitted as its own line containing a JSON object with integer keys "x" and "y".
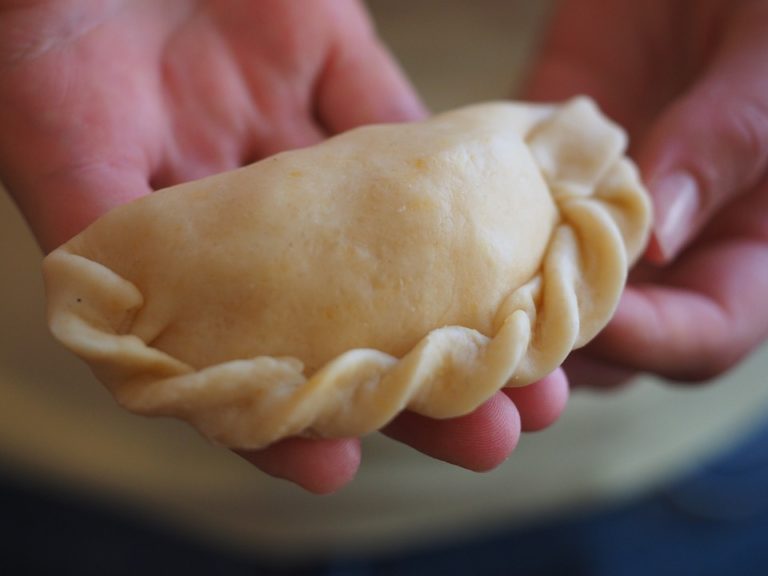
{"x": 322, "y": 291}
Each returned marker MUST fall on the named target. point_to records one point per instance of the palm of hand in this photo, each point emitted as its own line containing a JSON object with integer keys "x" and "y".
{"x": 103, "y": 102}
{"x": 688, "y": 81}
{"x": 111, "y": 102}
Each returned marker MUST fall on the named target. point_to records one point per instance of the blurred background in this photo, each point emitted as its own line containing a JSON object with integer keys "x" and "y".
{"x": 64, "y": 442}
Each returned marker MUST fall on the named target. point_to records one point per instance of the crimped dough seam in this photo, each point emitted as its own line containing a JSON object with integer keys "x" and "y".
{"x": 251, "y": 403}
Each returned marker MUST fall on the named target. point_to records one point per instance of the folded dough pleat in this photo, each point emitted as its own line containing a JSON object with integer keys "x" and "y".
{"x": 90, "y": 308}
{"x": 556, "y": 293}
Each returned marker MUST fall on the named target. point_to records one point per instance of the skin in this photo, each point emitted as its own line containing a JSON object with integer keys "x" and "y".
{"x": 689, "y": 80}
{"x": 103, "y": 101}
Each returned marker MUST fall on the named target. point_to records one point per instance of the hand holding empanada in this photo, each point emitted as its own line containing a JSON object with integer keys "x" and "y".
{"x": 322, "y": 291}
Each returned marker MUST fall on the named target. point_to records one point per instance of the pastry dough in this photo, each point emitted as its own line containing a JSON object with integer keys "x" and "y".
{"x": 322, "y": 291}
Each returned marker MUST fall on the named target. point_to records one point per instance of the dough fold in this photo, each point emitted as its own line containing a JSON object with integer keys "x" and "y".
{"x": 321, "y": 292}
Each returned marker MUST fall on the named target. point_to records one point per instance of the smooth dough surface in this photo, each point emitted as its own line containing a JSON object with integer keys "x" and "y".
{"x": 322, "y": 291}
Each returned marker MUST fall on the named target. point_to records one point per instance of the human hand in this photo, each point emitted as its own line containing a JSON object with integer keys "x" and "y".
{"x": 103, "y": 102}
{"x": 689, "y": 80}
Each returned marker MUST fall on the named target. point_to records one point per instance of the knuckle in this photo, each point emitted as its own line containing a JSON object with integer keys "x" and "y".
{"x": 742, "y": 125}
{"x": 746, "y": 126}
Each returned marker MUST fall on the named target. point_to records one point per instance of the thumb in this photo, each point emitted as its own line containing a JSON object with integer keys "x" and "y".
{"x": 362, "y": 83}
{"x": 712, "y": 143}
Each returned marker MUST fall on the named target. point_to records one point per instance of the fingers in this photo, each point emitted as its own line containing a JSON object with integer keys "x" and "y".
{"x": 482, "y": 440}
{"x": 712, "y": 143}
{"x": 479, "y": 441}
{"x": 707, "y": 311}
{"x": 706, "y": 147}
{"x": 600, "y": 49}
{"x": 319, "y": 466}
{"x": 672, "y": 332}
{"x": 703, "y": 157}
{"x": 362, "y": 84}
{"x": 540, "y": 404}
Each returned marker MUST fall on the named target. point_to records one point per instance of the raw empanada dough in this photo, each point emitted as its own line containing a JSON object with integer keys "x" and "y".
{"x": 322, "y": 291}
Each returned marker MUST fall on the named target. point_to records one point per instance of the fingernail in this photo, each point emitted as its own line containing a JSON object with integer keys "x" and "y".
{"x": 675, "y": 206}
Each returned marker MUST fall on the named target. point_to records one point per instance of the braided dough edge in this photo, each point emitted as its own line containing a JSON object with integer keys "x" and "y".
{"x": 251, "y": 403}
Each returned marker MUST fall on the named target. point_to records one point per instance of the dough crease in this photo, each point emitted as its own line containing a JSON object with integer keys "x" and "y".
{"x": 321, "y": 292}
